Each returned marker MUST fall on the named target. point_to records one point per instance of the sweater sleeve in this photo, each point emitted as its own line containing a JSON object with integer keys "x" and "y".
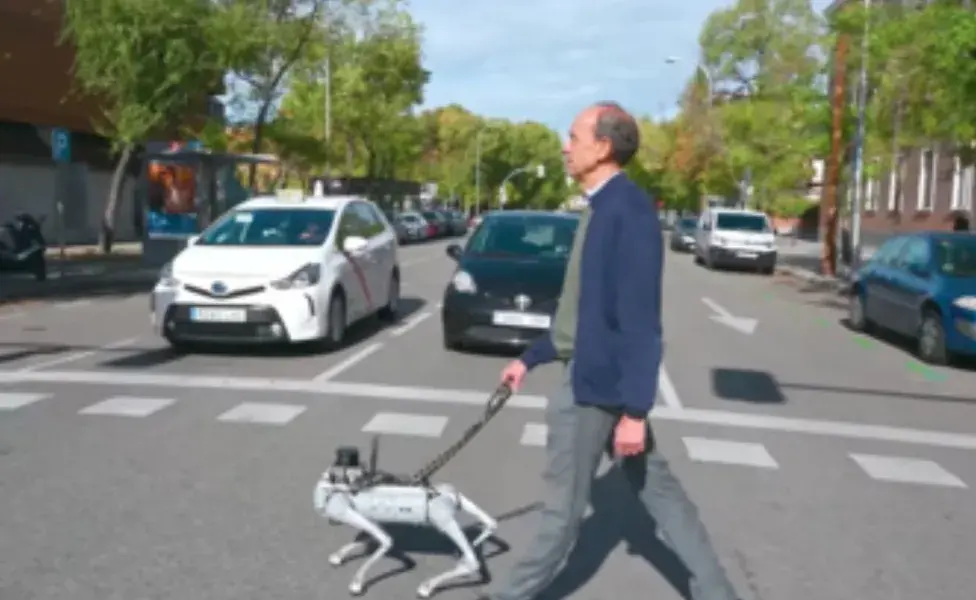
{"x": 541, "y": 351}
{"x": 637, "y": 278}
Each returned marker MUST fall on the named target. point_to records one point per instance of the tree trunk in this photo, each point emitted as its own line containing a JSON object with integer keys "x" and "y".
{"x": 107, "y": 235}
{"x": 258, "y": 141}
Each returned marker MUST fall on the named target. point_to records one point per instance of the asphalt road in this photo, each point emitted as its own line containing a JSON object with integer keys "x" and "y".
{"x": 827, "y": 465}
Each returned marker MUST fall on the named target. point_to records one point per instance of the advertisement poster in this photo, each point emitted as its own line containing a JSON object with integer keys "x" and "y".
{"x": 172, "y": 210}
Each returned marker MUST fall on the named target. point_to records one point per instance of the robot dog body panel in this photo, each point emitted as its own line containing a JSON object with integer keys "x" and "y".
{"x": 365, "y": 499}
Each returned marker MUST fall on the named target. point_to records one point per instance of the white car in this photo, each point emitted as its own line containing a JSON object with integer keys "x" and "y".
{"x": 281, "y": 269}
{"x": 735, "y": 237}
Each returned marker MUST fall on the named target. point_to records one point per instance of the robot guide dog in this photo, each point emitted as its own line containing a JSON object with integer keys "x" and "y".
{"x": 364, "y": 497}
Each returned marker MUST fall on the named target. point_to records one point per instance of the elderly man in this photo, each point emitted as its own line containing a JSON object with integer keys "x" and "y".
{"x": 607, "y": 331}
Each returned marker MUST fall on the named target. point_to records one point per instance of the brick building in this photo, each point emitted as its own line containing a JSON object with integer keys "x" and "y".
{"x": 39, "y": 94}
{"x": 921, "y": 189}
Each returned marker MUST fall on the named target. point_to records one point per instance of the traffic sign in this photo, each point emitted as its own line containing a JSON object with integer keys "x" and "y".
{"x": 60, "y": 145}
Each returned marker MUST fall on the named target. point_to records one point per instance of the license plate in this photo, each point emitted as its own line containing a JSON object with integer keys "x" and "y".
{"x": 218, "y": 315}
{"x": 519, "y": 319}
{"x": 746, "y": 254}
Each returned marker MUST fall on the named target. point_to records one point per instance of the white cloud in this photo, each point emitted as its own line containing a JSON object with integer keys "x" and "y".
{"x": 546, "y": 59}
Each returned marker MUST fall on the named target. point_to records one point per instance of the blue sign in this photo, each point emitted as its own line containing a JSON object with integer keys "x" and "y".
{"x": 161, "y": 225}
{"x": 60, "y": 145}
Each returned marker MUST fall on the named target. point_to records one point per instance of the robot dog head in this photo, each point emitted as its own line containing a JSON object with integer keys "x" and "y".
{"x": 346, "y": 457}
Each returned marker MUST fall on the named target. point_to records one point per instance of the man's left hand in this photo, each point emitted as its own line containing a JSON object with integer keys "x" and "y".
{"x": 629, "y": 436}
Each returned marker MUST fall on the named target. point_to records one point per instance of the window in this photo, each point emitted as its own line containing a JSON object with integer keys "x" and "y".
{"x": 742, "y": 222}
{"x": 928, "y": 163}
{"x": 539, "y": 237}
{"x": 962, "y": 185}
{"x": 956, "y": 257}
{"x": 269, "y": 227}
{"x": 888, "y": 251}
{"x": 872, "y": 190}
{"x": 915, "y": 255}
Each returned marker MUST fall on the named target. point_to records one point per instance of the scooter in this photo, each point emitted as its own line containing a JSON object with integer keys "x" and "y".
{"x": 24, "y": 249}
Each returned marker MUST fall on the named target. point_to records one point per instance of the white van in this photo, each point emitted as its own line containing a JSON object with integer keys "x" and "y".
{"x": 734, "y": 237}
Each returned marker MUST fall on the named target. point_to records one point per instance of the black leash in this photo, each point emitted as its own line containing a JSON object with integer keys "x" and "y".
{"x": 495, "y": 403}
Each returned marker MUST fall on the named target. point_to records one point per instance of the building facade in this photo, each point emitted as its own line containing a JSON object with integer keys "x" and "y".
{"x": 41, "y": 95}
{"x": 920, "y": 189}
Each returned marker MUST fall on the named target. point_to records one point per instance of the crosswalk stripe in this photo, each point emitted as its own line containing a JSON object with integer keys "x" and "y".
{"x": 15, "y": 400}
{"x": 263, "y": 413}
{"x": 127, "y": 406}
{"x": 729, "y": 452}
{"x": 406, "y": 424}
{"x": 906, "y": 470}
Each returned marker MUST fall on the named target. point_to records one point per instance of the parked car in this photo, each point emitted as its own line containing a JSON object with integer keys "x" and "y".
{"x": 683, "y": 234}
{"x": 921, "y": 286}
{"x": 728, "y": 237}
{"x": 457, "y": 223}
{"x": 437, "y": 224}
{"x": 411, "y": 227}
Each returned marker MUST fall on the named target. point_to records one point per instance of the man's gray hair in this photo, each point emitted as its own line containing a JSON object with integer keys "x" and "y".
{"x": 617, "y": 125}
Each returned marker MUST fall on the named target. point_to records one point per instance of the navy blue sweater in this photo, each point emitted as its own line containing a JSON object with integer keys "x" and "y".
{"x": 618, "y": 347}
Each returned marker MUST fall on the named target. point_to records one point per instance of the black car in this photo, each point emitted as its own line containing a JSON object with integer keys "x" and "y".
{"x": 683, "y": 234}
{"x": 509, "y": 276}
{"x": 458, "y": 223}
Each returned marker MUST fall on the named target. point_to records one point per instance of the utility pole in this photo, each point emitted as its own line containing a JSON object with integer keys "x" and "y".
{"x": 477, "y": 173}
{"x": 828, "y": 205}
{"x": 862, "y": 100}
{"x": 328, "y": 111}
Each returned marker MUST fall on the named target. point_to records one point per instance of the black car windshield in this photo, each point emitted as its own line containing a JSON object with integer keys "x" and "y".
{"x": 956, "y": 257}
{"x": 741, "y": 222}
{"x": 687, "y": 224}
{"x": 432, "y": 216}
{"x": 524, "y": 237}
{"x": 270, "y": 227}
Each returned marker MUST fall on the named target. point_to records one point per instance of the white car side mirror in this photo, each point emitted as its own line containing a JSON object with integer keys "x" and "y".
{"x": 353, "y": 244}
{"x": 192, "y": 240}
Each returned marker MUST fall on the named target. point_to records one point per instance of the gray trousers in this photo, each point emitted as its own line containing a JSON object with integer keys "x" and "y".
{"x": 575, "y": 445}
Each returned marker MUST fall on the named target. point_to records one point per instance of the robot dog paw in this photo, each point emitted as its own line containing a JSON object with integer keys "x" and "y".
{"x": 425, "y": 590}
{"x": 335, "y": 559}
{"x": 356, "y": 588}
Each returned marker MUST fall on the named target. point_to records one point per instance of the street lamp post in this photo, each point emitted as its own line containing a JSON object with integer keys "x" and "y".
{"x": 862, "y": 100}
{"x": 540, "y": 172}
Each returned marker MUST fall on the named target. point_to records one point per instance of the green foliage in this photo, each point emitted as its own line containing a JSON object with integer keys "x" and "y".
{"x": 148, "y": 61}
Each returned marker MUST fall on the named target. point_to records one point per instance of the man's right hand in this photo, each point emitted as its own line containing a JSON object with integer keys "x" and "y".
{"x": 513, "y": 374}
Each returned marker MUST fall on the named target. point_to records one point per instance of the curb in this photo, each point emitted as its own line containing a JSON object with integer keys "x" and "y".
{"x": 833, "y": 283}
{"x": 79, "y": 285}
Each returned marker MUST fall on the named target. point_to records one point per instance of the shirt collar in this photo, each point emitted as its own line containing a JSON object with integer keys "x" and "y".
{"x": 588, "y": 194}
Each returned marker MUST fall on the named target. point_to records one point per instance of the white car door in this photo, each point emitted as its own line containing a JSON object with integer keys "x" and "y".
{"x": 386, "y": 242}
{"x": 352, "y": 267}
{"x": 373, "y": 267}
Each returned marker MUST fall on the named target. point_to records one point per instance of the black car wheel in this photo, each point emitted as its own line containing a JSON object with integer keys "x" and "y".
{"x": 392, "y": 308}
{"x": 931, "y": 339}
{"x": 336, "y": 333}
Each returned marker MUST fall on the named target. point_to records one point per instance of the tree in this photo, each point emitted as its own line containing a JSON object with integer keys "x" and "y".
{"x": 765, "y": 58}
{"x": 271, "y": 37}
{"x": 149, "y": 62}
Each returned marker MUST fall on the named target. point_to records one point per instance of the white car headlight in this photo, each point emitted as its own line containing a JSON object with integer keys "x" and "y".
{"x": 307, "y": 276}
{"x": 166, "y": 278}
{"x": 464, "y": 283}
{"x": 966, "y": 303}
{"x": 718, "y": 240}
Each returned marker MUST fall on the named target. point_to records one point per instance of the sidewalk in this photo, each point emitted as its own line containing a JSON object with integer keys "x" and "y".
{"x": 801, "y": 259}
{"x": 84, "y": 272}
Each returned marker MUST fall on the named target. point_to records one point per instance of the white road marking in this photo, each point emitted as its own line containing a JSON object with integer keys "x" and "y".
{"x": 534, "y": 434}
{"x": 666, "y": 391}
{"x": 79, "y": 355}
{"x": 348, "y": 363}
{"x": 729, "y": 453}
{"x": 263, "y": 413}
{"x": 14, "y": 400}
{"x": 322, "y": 389}
{"x": 906, "y": 470}
{"x": 72, "y": 304}
{"x": 431, "y": 426}
{"x": 410, "y": 324}
{"x": 127, "y": 406}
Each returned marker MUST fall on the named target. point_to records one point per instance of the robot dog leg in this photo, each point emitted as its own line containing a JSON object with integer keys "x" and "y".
{"x": 443, "y": 509}
{"x": 340, "y": 507}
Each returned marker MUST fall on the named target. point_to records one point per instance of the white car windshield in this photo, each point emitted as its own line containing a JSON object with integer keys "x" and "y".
{"x": 742, "y": 222}
{"x": 270, "y": 227}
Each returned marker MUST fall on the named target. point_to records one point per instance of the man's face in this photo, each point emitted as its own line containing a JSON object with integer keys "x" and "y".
{"x": 582, "y": 151}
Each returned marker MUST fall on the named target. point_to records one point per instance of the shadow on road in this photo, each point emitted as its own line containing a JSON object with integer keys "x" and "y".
{"x": 746, "y": 385}
{"x": 618, "y": 516}
{"x": 907, "y": 345}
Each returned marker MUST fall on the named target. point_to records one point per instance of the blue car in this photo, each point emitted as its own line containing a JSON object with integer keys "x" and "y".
{"x": 922, "y": 286}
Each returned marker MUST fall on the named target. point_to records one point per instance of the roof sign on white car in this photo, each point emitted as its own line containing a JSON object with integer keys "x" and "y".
{"x": 290, "y": 195}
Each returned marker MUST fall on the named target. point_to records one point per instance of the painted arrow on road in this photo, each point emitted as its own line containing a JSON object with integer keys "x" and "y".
{"x": 740, "y": 324}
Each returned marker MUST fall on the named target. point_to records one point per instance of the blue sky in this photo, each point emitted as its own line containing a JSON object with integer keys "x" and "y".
{"x": 545, "y": 59}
